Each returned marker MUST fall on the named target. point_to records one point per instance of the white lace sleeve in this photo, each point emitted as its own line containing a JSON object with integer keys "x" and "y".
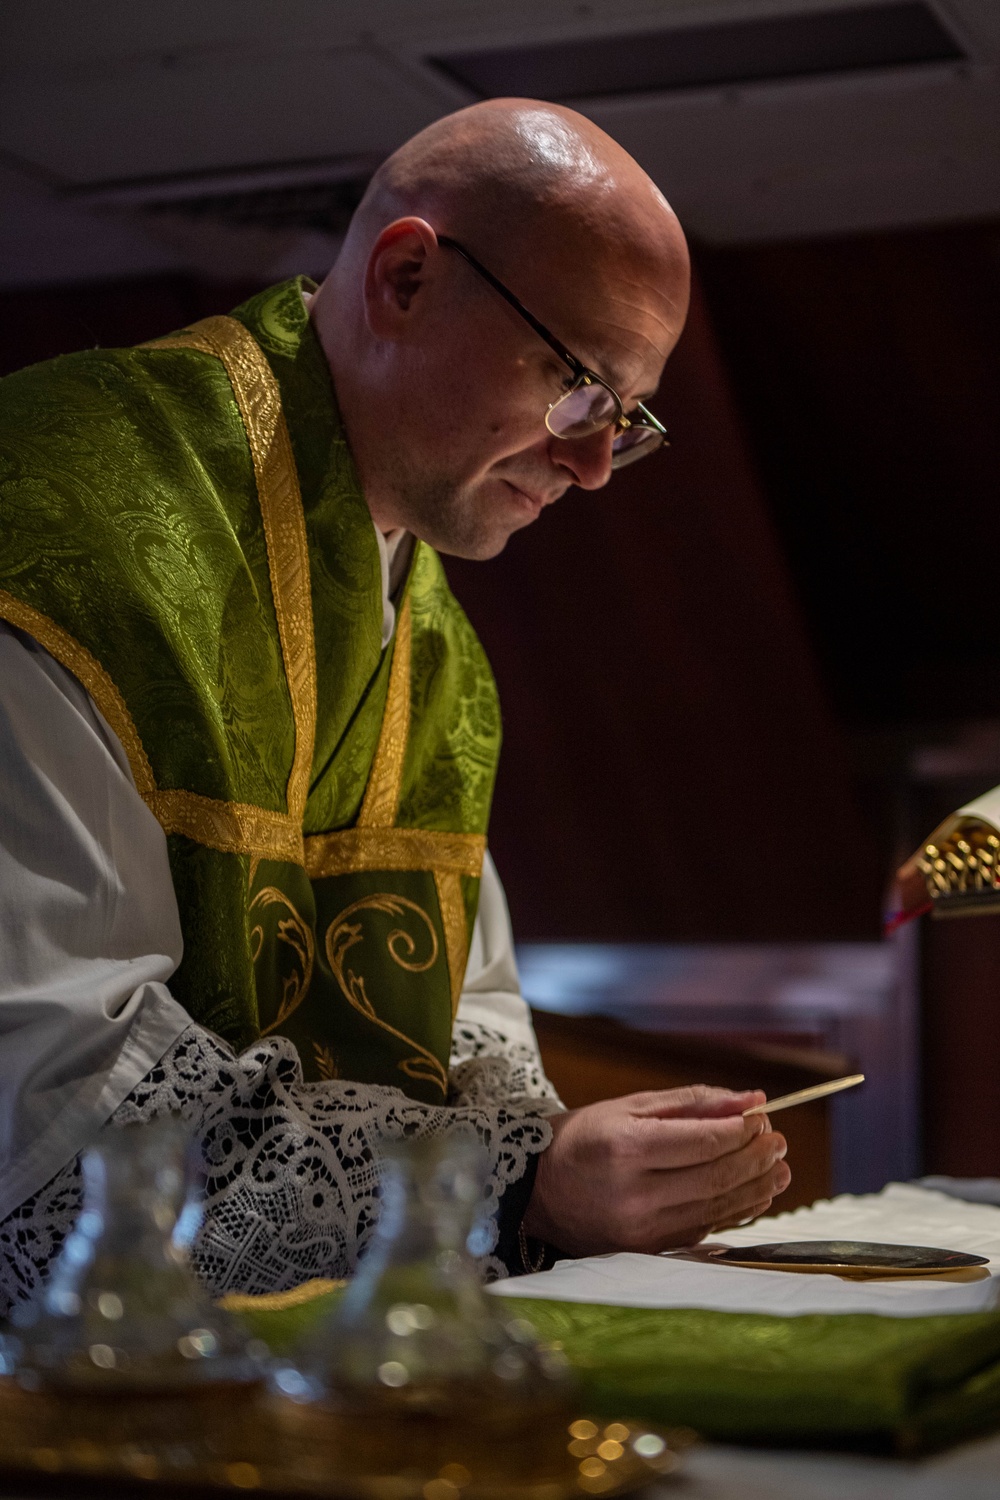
{"x": 494, "y": 1052}
{"x": 292, "y": 1176}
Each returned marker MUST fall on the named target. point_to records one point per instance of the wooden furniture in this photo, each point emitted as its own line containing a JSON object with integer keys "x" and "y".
{"x": 594, "y": 1057}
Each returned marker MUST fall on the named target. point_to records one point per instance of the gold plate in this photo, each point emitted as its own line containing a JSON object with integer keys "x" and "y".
{"x": 862, "y": 1259}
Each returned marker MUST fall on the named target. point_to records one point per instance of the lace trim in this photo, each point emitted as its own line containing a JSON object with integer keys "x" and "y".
{"x": 489, "y": 1068}
{"x": 291, "y": 1167}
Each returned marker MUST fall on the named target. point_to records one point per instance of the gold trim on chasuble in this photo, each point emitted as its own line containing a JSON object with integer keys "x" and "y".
{"x": 241, "y": 828}
{"x": 233, "y": 827}
{"x": 259, "y": 401}
{"x": 375, "y": 843}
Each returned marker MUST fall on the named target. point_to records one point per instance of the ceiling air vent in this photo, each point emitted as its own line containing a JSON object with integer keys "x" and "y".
{"x": 294, "y": 195}
{"x": 727, "y": 53}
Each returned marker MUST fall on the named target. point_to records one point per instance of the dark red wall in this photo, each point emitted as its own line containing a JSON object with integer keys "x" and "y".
{"x": 868, "y": 369}
{"x": 670, "y": 767}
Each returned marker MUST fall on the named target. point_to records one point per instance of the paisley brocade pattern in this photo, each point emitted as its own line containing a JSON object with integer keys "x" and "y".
{"x": 93, "y": 538}
{"x": 292, "y": 1167}
{"x": 154, "y": 502}
{"x": 448, "y": 777}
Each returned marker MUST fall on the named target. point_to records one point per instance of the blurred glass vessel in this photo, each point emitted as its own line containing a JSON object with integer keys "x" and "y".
{"x": 417, "y": 1370}
{"x": 123, "y": 1310}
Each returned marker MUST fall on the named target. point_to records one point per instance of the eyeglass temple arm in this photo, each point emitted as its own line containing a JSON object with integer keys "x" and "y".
{"x": 648, "y": 420}
{"x": 508, "y": 297}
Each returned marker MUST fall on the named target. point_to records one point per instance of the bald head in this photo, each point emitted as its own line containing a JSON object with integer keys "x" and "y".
{"x": 519, "y": 163}
{"x": 572, "y": 225}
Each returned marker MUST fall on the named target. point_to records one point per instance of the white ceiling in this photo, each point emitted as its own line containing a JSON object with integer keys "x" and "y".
{"x": 124, "y": 90}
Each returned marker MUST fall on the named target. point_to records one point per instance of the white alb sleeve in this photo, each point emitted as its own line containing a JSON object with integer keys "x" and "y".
{"x": 494, "y": 1051}
{"x": 89, "y": 929}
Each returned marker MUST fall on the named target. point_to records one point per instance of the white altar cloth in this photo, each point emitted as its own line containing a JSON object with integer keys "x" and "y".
{"x": 902, "y": 1214}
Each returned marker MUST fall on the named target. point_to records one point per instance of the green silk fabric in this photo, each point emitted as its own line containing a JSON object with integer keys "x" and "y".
{"x": 865, "y": 1382}
{"x": 129, "y": 517}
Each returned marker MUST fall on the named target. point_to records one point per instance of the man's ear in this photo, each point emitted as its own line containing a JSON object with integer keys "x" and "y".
{"x": 396, "y": 274}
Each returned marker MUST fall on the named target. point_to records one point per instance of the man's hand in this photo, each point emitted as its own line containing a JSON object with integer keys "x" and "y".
{"x": 656, "y": 1170}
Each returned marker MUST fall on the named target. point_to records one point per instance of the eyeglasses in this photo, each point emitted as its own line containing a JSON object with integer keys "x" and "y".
{"x": 589, "y": 404}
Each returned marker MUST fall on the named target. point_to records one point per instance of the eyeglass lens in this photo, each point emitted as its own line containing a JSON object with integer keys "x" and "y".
{"x": 589, "y": 409}
{"x": 581, "y": 412}
{"x": 634, "y": 442}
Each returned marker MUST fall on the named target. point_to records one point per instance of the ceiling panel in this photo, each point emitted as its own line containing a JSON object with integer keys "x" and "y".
{"x": 819, "y": 158}
{"x": 751, "y": 49}
{"x": 214, "y": 112}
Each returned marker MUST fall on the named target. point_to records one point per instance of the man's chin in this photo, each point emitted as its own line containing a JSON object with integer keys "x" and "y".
{"x": 477, "y": 525}
{"x": 479, "y": 549}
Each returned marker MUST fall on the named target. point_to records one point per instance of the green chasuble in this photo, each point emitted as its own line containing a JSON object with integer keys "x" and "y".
{"x": 182, "y": 527}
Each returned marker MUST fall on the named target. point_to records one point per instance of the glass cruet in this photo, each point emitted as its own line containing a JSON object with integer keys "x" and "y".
{"x": 123, "y": 1310}
{"x": 417, "y": 1369}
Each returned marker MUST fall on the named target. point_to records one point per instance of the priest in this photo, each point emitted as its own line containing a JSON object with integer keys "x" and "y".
{"x": 248, "y": 738}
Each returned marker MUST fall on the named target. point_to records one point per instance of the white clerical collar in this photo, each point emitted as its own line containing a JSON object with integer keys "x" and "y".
{"x": 394, "y": 549}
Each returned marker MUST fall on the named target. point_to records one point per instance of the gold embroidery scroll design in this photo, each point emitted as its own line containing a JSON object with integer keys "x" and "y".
{"x": 326, "y": 1063}
{"x": 343, "y": 934}
{"x": 259, "y": 401}
{"x": 296, "y": 934}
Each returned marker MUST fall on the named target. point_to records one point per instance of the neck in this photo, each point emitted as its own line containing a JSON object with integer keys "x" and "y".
{"x": 349, "y": 362}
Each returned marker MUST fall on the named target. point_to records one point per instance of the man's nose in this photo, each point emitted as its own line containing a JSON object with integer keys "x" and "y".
{"x": 587, "y": 460}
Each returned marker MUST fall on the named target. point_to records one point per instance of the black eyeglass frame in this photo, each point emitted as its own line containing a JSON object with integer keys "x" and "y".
{"x": 582, "y": 375}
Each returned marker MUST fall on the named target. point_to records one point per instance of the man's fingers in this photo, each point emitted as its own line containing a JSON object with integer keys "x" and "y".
{"x": 685, "y": 1224}
{"x": 714, "y": 1179}
{"x": 716, "y": 1109}
{"x": 670, "y": 1144}
{"x": 698, "y": 1102}
{"x": 746, "y": 1217}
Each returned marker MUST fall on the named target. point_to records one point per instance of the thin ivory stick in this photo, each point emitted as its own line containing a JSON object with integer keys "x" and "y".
{"x": 803, "y": 1096}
